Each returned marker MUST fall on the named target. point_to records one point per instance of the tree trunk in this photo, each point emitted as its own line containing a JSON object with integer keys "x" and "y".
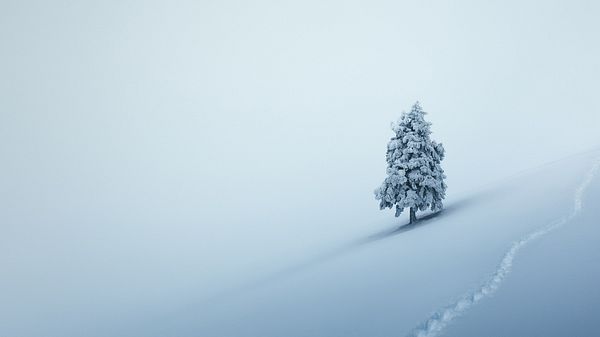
{"x": 413, "y": 215}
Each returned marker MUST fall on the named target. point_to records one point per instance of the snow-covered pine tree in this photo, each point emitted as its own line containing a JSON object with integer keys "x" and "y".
{"x": 415, "y": 178}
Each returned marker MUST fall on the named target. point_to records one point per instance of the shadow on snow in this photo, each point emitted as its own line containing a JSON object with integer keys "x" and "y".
{"x": 425, "y": 220}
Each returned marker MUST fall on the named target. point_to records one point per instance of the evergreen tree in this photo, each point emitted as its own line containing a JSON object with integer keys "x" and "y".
{"x": 415, "y": 178}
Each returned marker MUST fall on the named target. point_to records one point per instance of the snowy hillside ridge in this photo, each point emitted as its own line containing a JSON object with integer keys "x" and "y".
{"x": 436, "y": 323}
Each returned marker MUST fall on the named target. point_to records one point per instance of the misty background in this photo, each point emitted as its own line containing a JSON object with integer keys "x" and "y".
{"x": 157, "y": 153}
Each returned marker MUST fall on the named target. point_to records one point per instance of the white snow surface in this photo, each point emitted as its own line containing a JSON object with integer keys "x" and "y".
{"x": 382, "y": 280}
{"x": 393, "y": 282}
{"x": 439, "y": 320}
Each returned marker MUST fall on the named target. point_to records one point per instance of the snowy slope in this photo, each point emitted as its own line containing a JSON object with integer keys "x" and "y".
{"x": 553, "y": 290}
{"x": 416, "y": 281}
{"x": 435, "y": 278}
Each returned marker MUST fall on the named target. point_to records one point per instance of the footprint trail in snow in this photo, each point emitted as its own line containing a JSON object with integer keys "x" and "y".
{"x": 436, "y": 323}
